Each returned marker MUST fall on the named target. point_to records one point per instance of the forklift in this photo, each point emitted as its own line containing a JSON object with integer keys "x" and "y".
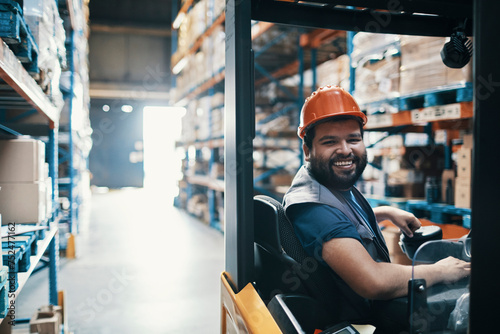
{"x": 268, "y": 285}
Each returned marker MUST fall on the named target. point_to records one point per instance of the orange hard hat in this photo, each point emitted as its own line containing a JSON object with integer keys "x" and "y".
{"x": 328, "y": 101}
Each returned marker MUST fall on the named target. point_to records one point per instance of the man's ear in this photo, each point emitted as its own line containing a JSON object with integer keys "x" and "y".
{"x": 306, "y": 152}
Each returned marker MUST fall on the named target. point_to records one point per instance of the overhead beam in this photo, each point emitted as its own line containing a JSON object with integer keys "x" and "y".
{"x": 131, "y": 30}
{"x": 299, "y": 14}
{"x": 285, "y": 71}
{"x": 128, "y": 92}
{"x": 448, "y": 8}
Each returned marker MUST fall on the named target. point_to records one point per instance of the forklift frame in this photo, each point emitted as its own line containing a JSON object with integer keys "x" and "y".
{"x": 433, "y": 18}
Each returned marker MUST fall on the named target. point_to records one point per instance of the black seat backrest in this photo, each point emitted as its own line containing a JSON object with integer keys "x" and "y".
{"x": 300, "y": 272}
{"x": 274, "y": 268}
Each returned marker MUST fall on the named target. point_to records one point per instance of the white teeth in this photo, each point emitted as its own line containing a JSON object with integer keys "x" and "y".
{"x": 343, "y": 163}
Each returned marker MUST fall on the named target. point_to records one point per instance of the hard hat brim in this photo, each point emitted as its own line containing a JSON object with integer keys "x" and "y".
{"x": 301, "y": 131}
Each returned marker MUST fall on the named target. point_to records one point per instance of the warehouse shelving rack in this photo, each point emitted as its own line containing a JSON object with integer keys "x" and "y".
{"x": 312, "y": 39}
{"x": 197, "y": 182}
{"x": 421, "y": 112}
{"x": 20, "y": 95}
{"x": 26, "y": 110}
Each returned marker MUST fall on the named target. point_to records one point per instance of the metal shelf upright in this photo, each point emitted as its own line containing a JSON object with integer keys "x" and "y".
{"x": 75, "y": 130}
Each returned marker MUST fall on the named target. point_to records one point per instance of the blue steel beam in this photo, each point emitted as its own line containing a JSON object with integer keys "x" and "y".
{"x": 271, "y": 78}
{"x": 352, "y": 71}
{"x": 212, "y": 208}
{"x": 52, "y": 158}
{"x": 173, "y": 40}
{"x": 9, "y": 130}
{"x": 73, "y": 227}
{"x": 271, "y": 43}
{"x": 268, "y": 173}
{"x": 277, "y": 114}
{"x": 300, "y": 99}
{"x": 300, "y": 96}
{"x": 314, "y": 53}
{"x": 53, "y": 269}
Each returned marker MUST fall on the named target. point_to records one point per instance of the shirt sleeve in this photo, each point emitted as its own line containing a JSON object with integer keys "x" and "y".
{"x": 316, "y": 224}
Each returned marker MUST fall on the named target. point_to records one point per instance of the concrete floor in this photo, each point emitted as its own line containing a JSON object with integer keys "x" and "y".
{"x": 142, "y": 266}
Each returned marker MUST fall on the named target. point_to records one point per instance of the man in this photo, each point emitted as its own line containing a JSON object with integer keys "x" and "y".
{"x": 333, "y": 220}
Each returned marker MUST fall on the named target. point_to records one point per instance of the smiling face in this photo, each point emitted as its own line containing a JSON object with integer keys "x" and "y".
{"x": 337, "y": 156}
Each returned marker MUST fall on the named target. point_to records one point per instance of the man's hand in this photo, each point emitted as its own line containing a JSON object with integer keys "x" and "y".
{"x": 405, "y": 220}
{"x": 454, "y": 269}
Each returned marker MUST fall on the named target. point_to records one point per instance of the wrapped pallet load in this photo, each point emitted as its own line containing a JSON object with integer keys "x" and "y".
{"x": 422, "y": 67}
{"x": 42, "y": 17}
{"x": 334, "y": 72}
{"x": 377, "y": 60}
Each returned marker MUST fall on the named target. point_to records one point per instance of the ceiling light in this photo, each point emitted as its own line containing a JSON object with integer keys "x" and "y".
{"x": 127, "y": 108}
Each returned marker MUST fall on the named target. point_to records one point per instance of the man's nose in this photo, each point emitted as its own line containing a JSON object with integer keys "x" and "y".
{"x": 344, "y": 148}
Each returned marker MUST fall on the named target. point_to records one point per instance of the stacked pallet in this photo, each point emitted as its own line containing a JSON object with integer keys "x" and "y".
{"x": 393, "y": 66}
{"x": 17, "y": 35}
{"x": 42, "y": 17}
{"x": 202, "y": 61}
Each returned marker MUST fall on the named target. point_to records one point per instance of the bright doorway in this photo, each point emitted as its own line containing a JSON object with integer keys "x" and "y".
{"x": 162, "y": 161}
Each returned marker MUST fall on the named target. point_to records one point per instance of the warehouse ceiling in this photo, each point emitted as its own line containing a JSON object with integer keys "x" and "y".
{"x": 132, "y": 13}
{"x": 129, "y": 49}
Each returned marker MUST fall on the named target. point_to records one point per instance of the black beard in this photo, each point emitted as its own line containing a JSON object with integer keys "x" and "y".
{"x": 322, "y": 169}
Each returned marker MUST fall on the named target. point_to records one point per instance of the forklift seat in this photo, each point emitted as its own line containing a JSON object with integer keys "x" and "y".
{"x": 282, "y": 265}
{"x": 275, "y": 269}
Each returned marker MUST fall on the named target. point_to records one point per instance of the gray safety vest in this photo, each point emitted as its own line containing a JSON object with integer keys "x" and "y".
{"x": 305, "y": 189}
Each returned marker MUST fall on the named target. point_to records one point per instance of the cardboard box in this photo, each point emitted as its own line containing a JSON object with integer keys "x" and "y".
{"x": 377, "y": 80}
{"x": 48, "y": 197}
{"x": 22, "y": 160}
{"x": 422, "y": 67}
{"x": 23, "y": 202}
{"x": 333, "y": 72}
{"x": 464, "y": 163}
{"x": 462, "y": 192}
{"x": 404, "y": 176}
{"x": 448, "y": 174}
{"x": 468, "y": 141}
{"x": 47, "y": 320}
